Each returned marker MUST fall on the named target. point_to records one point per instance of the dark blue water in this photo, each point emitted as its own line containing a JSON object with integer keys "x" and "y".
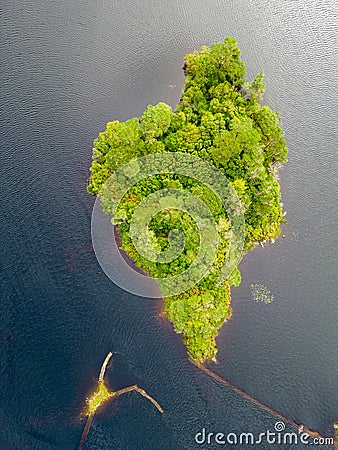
{"x": 68, "y": 68}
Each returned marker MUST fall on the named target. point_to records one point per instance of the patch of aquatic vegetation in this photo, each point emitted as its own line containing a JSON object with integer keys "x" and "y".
{"x": 98, "y": 398}
{"x": 261, "y": 293}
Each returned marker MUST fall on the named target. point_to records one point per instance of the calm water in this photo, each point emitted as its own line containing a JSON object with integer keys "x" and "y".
{"x": 68, "y": 68}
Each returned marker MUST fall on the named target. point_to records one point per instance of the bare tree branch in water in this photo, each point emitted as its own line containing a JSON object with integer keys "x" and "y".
{"x": 102, "y": 395}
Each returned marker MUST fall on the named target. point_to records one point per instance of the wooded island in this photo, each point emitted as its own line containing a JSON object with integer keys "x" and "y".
{"x": 220, "y": 119}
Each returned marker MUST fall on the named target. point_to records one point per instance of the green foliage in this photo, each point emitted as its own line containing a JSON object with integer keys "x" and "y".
{"x": 235, "y": 278}
{"x": 97, "y": 398}
{"x": 198, "y": 313}
{"x": 155, "y": 121}
{"x": 219, "y": 118}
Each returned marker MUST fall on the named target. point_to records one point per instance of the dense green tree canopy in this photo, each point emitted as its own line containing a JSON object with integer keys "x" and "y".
{"x": 220, "y": 119}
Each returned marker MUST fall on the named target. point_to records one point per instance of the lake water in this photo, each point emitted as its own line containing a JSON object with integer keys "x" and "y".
{"x": 68, "y": 68}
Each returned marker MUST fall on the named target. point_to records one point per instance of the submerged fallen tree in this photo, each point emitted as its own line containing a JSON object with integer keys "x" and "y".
{"x": 102, "y": 395}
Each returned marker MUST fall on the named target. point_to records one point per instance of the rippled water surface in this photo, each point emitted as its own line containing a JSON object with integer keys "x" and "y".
{"x": 68, "y": 68}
